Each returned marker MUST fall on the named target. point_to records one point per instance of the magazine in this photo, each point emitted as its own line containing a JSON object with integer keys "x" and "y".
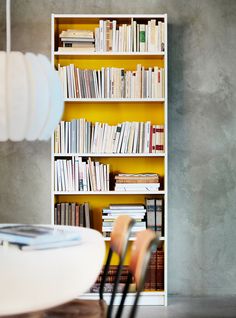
{"x": 29, "y": 237}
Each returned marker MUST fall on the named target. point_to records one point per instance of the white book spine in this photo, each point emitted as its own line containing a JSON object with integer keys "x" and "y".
{"x": 85, "y": 179}
{"x": 101, "y": 26}
{"x": 107, "y": 176}
{"x": 63, "y": 183}
{"x": 121, "y": 137}
{"x": 114, "y": 35}
{"x": 89, "y": 186}
{"x": 56, "y": 188}
{"x": 101, "y": 177}
{"x": 97, "y": 173}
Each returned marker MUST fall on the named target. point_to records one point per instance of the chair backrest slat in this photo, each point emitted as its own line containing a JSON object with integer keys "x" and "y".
{"x": 119, "y": 242}
{"x": 141, "y": 252}
{"x": 146, "y": 241}
{"x": 120, "y": 234}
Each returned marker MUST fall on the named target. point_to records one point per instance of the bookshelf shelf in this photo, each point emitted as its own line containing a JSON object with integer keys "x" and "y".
{"x": 135, "y": 69}
{"x": 146, "y": 298}
{"x": 119, "y": 155}
{"x": 107, "y": 192}
{"x": 162, "y": 238}
{"x": 76, "y": 53}
{"x": 110, "y": 16}
{"x": 112, "y": 100}
{"x": 142, "y": 293}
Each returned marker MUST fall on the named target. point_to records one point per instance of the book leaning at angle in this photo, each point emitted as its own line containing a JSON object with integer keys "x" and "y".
{"x": 30, "y": 237}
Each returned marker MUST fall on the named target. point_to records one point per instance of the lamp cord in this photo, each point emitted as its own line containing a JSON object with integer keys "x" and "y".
{"x": 8, "y": 25}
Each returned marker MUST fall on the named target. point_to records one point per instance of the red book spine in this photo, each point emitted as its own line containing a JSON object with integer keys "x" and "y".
{"x": 153, "y": 265}
{"x": 160, "y": 270}
{"x": 151, "y": 141}
{"x": 154, "y": 139}
{"x": 147, "y": 284}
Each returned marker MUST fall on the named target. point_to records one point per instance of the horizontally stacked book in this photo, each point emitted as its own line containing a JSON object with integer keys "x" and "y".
{"x": 111, "y": 275}
{"x": 137, "y": 182}
{"x": 72, "y": 214}
{"x": 112, "y": 82}
{"x": 111, "y": 36}
{"x": 81, "y": 136}
{"x": 135, "y": 211}
{"x": 81, "y": 40}
{"x": 77, "y": 175}
{"x": 37, "y": 237}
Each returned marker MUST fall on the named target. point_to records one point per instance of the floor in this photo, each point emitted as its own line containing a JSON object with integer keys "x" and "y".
{"x": 186, "y": 307}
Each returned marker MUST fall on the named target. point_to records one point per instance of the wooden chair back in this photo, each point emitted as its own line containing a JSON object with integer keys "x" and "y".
{"x": 119, "y": 242}
{"x": 142, "y": 248}
{"x": 120, "y": 234}
{"x": 146, "y": 242}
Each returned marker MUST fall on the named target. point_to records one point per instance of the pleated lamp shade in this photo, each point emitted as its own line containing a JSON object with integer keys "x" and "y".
{"x": 31, "y": 97}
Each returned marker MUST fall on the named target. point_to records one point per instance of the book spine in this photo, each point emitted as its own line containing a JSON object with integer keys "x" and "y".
{"x": 150, "y": 207}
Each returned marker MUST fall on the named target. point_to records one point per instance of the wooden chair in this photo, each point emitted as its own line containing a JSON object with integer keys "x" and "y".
{"x": 146, "y": 242}
{"x": 98, "y": 308}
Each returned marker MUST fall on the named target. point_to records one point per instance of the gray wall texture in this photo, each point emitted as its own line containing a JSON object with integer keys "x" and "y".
{"x": 202, "y": 134}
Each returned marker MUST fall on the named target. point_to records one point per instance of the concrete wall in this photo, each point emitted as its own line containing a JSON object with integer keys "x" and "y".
{"x": 202, "y": 135}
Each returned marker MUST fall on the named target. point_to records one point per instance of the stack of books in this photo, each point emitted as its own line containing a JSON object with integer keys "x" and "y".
{"x": 82, "y": 136}
{"x": 77, "y": 175}
{"x": 77, "y": 40}
{"x": 111, "y": 275}
{"x": 135, "y": 211}
{"x": 36, "y": 237}
{"x": 134, "y": 37}
{"x": 155, "y": 215}
{"x": 72, "y": 214}
{"x": 137, "y": 182}
{"x": 112, "y": 82}
{"x": 155, "y": 273}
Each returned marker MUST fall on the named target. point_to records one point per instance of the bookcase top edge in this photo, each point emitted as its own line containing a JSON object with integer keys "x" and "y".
{"x": 55, "y": 15}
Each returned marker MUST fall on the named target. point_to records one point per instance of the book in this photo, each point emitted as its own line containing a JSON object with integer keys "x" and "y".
{"x": 155, "y": 215}
{"x": 87, "y": 215}
{"x": 86, "y": 34}
{"x": 137, "y": 186}
{"x": 78, "y": 44}
{"x": 108, "y": 288}
{"x": 49, "y": 245}
{"x": 126, "y": 206}
{"x": 151, "y": 218}
{"x": 37, "y": 236}
{"x": 68, "y": 49}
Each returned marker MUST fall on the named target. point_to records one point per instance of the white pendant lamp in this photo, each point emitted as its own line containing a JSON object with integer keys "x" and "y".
{"x": 31, "y": 97}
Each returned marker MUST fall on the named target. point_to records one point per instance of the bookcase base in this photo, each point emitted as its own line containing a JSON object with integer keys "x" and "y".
{"x": 146, "y": 298}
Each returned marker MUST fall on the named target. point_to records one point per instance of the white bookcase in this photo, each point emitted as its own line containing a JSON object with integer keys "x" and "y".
{"x": 140, "y": 109}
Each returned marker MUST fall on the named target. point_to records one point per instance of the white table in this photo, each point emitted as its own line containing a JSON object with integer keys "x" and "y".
{"x": 35, "y": 280}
